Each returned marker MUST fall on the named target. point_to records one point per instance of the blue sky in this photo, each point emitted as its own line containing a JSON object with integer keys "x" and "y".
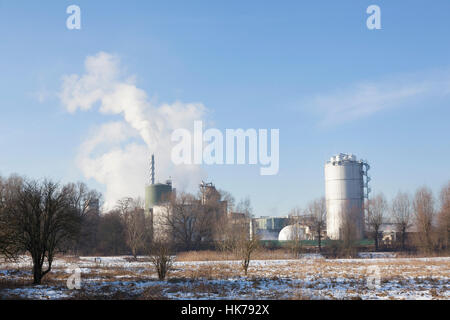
{"x": 309, "y": 68}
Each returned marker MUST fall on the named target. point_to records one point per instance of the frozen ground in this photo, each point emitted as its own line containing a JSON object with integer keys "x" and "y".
{"x": 310, "y": 277}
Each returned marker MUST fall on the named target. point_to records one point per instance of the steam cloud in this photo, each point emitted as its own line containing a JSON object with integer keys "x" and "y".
{"x": 117, "y": 153}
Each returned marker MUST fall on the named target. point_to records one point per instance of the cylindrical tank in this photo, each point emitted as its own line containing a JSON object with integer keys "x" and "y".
{"x": 156, "y": 194}
{"x": 344, "y": 192}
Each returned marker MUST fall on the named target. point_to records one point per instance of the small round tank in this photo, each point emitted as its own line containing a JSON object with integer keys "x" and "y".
{"x": 293, "y": 232}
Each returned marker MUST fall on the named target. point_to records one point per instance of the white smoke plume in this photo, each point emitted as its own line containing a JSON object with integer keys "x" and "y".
{"x": 117, "y": 153}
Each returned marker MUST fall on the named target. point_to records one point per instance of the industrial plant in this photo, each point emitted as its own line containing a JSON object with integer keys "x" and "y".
{"x": 346, "y": 194}
{"x": 346, "y": 202}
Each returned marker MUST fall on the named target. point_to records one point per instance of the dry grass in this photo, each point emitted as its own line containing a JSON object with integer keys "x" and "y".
{"x": 420, "y": 254}
{"x": 209, "y": 255}
{"x": 152, "y": 293}
{"x": 289, "y": 279}
{"x": 206, "y": 255}
{"x": 12, "y": 284}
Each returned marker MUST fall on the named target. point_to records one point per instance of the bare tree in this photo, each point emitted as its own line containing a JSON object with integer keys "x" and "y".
{"x": 318, "y": 212}
{"x": 224, "y": 226}
{"x": 295, "y": 238}
{"x": 349, "y": 228}
{"x": 444, "y": 217}
{"x": 244, "y": 248}
{"x": 402, "y": 215}
{"x": 222, "y": 230}
{"x": 134, "y": 218}
{"x": 245, "y": 240}
{"x": 41, "y": 219}
{"x": 9, "y": 188}
{"x": 111, "y": 237}
{"x": 375, "y": 218}
{"x": 179, "y": 218}
{"x": 228, "y": 197}
{"x": 208, "y": 216}
{"x": 87, "y": 203}
{"x": 161, "y": 257}
{"x": 424, "y": 215}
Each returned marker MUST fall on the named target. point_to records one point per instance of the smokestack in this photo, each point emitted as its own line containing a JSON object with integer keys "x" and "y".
{"x": 153, "y": 170}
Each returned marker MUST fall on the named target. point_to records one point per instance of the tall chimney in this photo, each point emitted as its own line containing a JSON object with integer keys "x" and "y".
{"x": 153, "y": 169}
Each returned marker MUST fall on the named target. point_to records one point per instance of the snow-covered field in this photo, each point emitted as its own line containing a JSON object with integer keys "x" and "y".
{"x": 310, "y": 277}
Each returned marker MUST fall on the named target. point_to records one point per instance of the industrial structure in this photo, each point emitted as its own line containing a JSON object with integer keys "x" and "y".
{"x": 295, "y": 232}
{"x": 159, "y": 204}
{"x": 209, "y": 193}
{"x": 268, "y": 228}
{"x": 157, "y": 193}
{"x": 346, "y": 187}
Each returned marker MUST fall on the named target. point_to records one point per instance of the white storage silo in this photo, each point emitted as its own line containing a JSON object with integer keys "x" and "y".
{"x": 345, "y": 190}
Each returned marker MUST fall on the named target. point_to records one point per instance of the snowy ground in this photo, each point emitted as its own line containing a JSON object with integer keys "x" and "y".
{"x": 310, "y": 277}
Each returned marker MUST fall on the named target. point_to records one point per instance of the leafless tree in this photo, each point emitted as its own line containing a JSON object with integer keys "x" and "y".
{"x": 244, "y": 248}
{"x": 123, "y": 205}
{"x": 209, "y": 214}
{"x": 161, "y": 257}
{"x": 224, "y": 227}
{"x": 226, "y": 231}
{"x": 228, "y": 197}
{"x": 111, "y": 237}
{"x": 376, "y": 216}
{"x": 295, "y": 240}
{"x": 180, "y": 218}
{"x": 424, "y": 218}
{"x": 9, "y": 189}
{"x": 41, "y": 219}
{"x": 318, "y": 212}
{"x": 87, "y": 203}
{"x": 245, "y": 240}
{"x": 136, "y": 226}
{"x": 402, "y": 215}
{"x": 444, "y": 217}
{"x": 349, "y": 228}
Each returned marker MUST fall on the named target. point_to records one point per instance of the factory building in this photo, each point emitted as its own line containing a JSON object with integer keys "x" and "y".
{"x": 209, "y": 193}
{"x": 268, "y": 228}
{"x": 210, "y": 198}
{"x": 161, "y": 204}
{"x": 166, "y": 215}
{"x": 346, "y": 187}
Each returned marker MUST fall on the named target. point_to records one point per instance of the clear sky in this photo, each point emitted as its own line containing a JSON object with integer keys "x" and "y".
{"x": 311, "y": 69}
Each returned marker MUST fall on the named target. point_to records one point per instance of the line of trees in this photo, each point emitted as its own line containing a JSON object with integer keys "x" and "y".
{"x": 421, "y": 222}
{"x": 44, "y": 218}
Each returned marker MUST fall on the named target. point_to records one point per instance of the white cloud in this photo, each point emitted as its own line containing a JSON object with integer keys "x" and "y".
{"x": 367, "y": 98}
{"x": 117, "y": 153}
